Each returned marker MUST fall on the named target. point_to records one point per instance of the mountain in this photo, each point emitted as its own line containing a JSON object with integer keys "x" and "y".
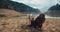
{"x": 54, "y": 11}
{"x": 19, "y": 7}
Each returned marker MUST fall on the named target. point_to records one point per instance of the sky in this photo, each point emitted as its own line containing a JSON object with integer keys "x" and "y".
{"x": 42, "y": 5}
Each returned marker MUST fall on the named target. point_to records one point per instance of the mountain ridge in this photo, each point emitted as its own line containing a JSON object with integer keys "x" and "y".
{"x": 19, "y": 7}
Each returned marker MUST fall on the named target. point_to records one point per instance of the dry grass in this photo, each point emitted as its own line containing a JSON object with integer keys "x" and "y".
{"x": 13, "y": 24}
{"x": 52, "y": 25}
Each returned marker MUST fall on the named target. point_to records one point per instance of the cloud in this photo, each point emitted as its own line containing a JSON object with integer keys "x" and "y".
{"x": 36, "y": 2}
{"x": 58, "y": 1}
{"x": 22, "y": 1}
{"x": 40, "y": 4}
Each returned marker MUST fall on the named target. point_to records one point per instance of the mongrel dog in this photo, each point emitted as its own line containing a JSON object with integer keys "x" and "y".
{"x": 37, "y": 23}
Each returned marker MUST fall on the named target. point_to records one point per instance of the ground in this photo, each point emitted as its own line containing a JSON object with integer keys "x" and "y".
{"x": 14, "y": 24}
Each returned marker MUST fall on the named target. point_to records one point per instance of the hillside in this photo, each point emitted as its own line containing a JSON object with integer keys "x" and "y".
{"x": 54, "y": 11}
{"x": 19, "y": 7}
{"x": 9, "y": 12}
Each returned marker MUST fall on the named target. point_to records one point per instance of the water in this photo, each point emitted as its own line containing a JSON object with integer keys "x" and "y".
{"x": 46, "y": 16}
